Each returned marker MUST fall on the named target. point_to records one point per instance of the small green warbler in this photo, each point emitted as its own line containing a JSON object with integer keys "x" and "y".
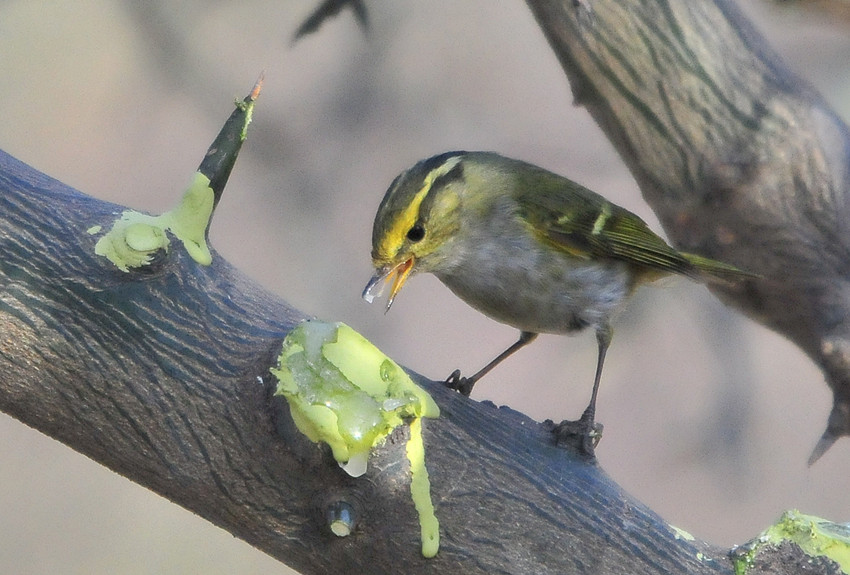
{"x": 524, "y": 246}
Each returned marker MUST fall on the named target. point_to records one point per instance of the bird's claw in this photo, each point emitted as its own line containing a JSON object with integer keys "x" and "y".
{"x": 582, "y": 435}
{"x": 462, "y": 385}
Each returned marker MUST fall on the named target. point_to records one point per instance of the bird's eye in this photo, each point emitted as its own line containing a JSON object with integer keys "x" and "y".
{"x": 416, "y": 233}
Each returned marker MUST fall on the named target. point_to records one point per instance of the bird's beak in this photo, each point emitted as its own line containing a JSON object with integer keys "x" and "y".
{"x": 398, "y": 273}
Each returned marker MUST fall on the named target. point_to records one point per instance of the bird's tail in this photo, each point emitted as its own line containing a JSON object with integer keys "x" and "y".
{"x": 708, "y": 267}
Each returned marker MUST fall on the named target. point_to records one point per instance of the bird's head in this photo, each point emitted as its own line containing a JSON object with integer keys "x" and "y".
{"x": 416, "y": 221}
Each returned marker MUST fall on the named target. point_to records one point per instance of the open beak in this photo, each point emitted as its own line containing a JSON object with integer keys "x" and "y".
{"x": 398, "y": 274}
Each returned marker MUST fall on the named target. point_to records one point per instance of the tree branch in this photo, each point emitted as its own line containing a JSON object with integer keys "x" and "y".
{"x": 163, "y": 377}
{"x": 739, "y": 159}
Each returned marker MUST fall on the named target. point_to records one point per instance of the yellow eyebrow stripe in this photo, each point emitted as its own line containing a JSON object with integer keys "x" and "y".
{"x": 394, "y": 237}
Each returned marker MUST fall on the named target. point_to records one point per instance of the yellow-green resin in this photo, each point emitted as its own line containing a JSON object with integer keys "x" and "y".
{"x": 344, "y": 391}
{"x": 815, "y": 536}
{"x": 680, "y": 533}
{"x": 136, "y": 237}
{"x": 420, "y": 490}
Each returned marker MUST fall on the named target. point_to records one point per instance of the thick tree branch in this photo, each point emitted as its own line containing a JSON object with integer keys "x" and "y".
{"x": 163, "y": 377}
{"x": 740, "y": 160}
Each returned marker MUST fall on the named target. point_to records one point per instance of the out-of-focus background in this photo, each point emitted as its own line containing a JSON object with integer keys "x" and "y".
{"x": 709, "y": 418}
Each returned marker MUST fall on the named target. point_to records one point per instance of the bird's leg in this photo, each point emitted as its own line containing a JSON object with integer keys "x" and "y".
{"x": 464, "y": 385}
{"x": 586, "y": 430}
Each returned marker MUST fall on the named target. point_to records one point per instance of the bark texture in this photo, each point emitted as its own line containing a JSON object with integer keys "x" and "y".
{"x": 741, "y": 160}
{"x": 162, "y": 376}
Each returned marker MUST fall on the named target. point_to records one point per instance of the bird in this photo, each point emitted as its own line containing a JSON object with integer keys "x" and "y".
{"x": 526, "y": 247}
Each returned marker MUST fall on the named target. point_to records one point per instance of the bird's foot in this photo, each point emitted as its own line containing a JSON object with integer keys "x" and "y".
{"x": 582, "y": 435}
{"x": 462, "y": 385}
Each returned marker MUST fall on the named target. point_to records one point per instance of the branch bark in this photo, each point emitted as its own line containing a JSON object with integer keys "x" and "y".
{"x": 740, "y": 159}
{"x": 163, "y": 375}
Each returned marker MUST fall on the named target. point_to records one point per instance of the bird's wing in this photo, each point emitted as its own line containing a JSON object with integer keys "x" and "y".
{"x": 582, "y": 223}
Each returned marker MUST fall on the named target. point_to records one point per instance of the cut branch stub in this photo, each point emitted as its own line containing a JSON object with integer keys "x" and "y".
{"x": 140, "y": 241}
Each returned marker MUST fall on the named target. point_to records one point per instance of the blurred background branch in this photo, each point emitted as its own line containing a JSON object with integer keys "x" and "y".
{"x": 740, "y": 159}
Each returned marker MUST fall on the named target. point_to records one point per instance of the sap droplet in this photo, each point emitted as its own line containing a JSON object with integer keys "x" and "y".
{"x": 342, "y": 518}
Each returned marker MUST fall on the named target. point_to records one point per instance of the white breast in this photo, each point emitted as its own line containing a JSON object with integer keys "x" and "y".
{"x": 514, "y": 280}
